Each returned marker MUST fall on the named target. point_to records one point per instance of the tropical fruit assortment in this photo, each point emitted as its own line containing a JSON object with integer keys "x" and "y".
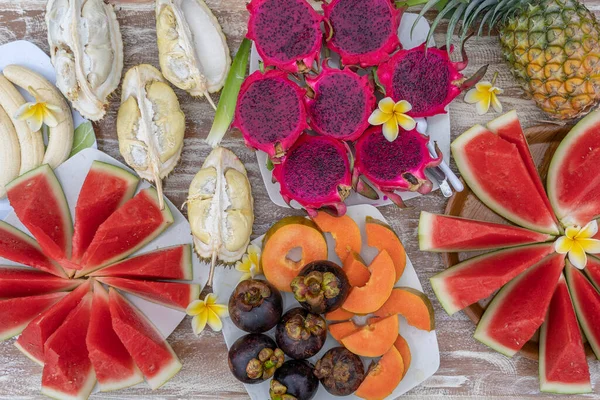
{"x": 358, "y": 305}
{"x": 67, "y": 321}
{"x": 308, "y": 115}
{"x": 529, "y": 263}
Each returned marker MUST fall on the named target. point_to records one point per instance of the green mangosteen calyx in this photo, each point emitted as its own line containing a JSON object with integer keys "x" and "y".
{"x": 301, "y": 328}
{"x": 315, "y": 287}
{"x": 279, "y": 392}
{"x": 265, "y": 364}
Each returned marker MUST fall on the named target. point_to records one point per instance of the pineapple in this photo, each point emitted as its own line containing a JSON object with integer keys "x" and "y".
{"x": 552, "y": 47}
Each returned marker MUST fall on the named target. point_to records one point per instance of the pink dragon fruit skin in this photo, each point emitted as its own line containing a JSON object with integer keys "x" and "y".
{"x": 426, "y": 78}
{"x": 287, "y": 33}
{"x": 341, "y": 104}
{"x": 316, "y": 173}
{"x": 362, "y": 32}
{"x": 270, "y": 112}
{"x": 398, "y": 165}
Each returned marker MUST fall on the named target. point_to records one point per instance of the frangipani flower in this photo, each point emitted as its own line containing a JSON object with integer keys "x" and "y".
{"x": 390, "y": 115}
{"x": 250, "y": 264}
{"x": 38, "y": 112}
{"x": 485, "y": 94}
{"x": 207, "y": 311}
{"x": 577, "y": 242}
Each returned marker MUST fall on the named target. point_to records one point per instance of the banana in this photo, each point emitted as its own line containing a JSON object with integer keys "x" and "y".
{"x": 31, "y": 143}
{"x": 60, "y": 138}
{"x": 10, "y": 152}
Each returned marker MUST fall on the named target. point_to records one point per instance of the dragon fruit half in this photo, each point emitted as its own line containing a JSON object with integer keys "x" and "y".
{"x": 316, "y": 173}
{"x": 270, "y": 112}
{"x": 426, "y": 78}
{"x": 362, "y": 32}
{"x": 287, "y": 33}
{"x": 398, "y": 165}
{"x": 341, "y": 104}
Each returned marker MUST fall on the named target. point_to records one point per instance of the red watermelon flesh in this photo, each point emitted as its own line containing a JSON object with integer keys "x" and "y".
{"x": 18, "y": 247}
{"x": 592, "y": 269}
{"x": 169, "y": 294}
{"x": 115, "y": 369}
{"x": 479, "y": 277}
{"x": 32, "y": 340}
{"x": 509, "y": 128}
{"x": 167, "y": 263}
{"x": 68, "y": 371}
{"x": 128, "y": 229}
{"x": 446, "y": 233}
{"x": 16, "y": 313}
{"x": 574, "y": 173}
{"x": 40, "y": 204}
{"x": 21, "y": 282}
{"x": 495, "y": 172}
{"x": 520, "y": 307}
{"x": 151, "y": 352}
{"x": 563, "y": 365}
{"x": 586, "y": 300}
{"x": 105, "y": 189}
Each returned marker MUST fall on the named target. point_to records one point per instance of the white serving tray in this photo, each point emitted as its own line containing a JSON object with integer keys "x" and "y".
{"x": 423, "y": 345}
{"x": 438, "y": 127}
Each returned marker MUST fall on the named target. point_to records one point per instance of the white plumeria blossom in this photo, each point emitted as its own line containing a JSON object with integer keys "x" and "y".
{"x": 483, "y": 95}
{"x": 577, "y": 242}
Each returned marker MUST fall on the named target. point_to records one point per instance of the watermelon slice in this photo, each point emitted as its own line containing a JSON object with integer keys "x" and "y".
{"x": 15, "y": 314}
{"x": 477, "y": 278}
{"x": 495, "y": 172}
{"x": 586, "y": 300}
{"x": 151, "y": 352}
{"x": 68, "y": 372}
{"x": 40, "y": 204}
{"x": 167, "y": 263}
{"x": 169, "y": 294}
{"x": 21, "y": 282}
{"x": 105, "y": 189}
{"x": 573, "y": 178}
{"x": 519, "y": 308}
{"x": 563, "y": 367}
{"x": 592, "y": 269}
{"x": 128, "y": 229}
{"x": 18, "y": 247}
{"x": 32, "y": 340}
{"x": 445, "y": 233}
{"x": 115, "y": 369}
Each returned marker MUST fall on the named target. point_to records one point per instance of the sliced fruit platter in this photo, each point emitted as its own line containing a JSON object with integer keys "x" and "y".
{"x": 542, "y": 273}
{"x": 335, "y": 292}
{"x": 54, "y": 283}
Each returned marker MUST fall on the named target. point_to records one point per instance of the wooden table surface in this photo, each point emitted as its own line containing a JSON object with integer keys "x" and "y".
{"x": 468, "y": 369}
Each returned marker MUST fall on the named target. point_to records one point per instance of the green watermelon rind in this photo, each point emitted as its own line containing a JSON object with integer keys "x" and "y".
{"x": 120, "y": 173}
{"x": 556, "y": 387}
{"x": 83, "y": 394}
{"x": 589, "y": 275}
{"x": 459, "y": 158}
{"x": 9, "y": 333}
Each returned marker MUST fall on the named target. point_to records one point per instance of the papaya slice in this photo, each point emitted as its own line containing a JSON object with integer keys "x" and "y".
{"x": 412, "y": 305}
{"x": 404, "y": 349}
{"x": 342, "y": 329}
{"x": 287, "y": 234}
{"x": 356, "y": 270}
{"x": 381, "y": 236}
{"x": 383, "y": 377}
{"x": 373, "y": 295}
{"x": 339, "y": 315}
{"x": 344, "y": 231}
{"x": 373, "y": 339}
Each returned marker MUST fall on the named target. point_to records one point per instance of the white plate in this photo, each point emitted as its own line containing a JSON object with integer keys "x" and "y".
{"x": 423, "y": 345}
{"x": 438, "y": 127}
{"x": 71, "y": 175}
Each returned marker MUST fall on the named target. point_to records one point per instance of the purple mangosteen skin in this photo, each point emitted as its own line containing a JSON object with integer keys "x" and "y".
{"x": 299, "y": 379}
{"x": 245, "y": 349}
{"x": 255, "y": 314}
{"x": 298, "y": 349}
{"x": 334, "y": 359}
{"x": 343, "y": 283}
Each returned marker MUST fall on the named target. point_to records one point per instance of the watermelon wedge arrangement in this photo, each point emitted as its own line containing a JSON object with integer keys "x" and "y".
{"x": 529, "y": 263}
{"x": 68, "y": 322}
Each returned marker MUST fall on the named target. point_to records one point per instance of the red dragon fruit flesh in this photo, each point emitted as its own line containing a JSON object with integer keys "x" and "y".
{"x": 341, "y": 103}
{"x": 287, "y": 33}
{"x": 362, "y": 32}
{"x": 426, "y": 78}
{"x": 316, "y": 173}
{"x": 270, "y": 112}
{"x": 398, "y": 165}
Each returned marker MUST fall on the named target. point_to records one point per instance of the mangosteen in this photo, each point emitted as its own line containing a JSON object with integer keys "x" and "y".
{"x": 321, "y": 287}
{"x": 255, "y": 306}
{"x": 294, "y": 380}
{"x": 253, "y": 358}
{"x": 340, "y": 371}
{"x": 301, "y": 334}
